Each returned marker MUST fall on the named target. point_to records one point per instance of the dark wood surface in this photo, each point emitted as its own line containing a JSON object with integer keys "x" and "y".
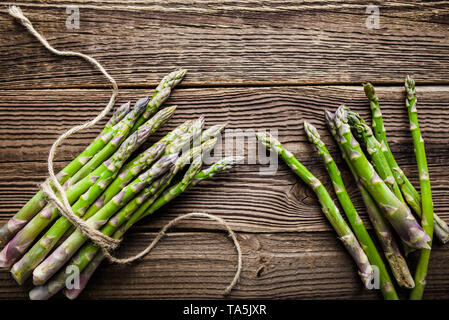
{"x": 255, "y": 65}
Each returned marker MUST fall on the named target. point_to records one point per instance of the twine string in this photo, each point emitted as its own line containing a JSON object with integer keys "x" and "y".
{"x": 105, "y": 242}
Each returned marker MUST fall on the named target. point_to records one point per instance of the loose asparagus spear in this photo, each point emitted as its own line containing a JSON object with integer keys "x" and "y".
{"x": 35, "y": 204}
{"x": 412, "y": 196}
{"x": 354, "y": 219}
{"x": 83, "y": 258}
{"x": 424, "y": 181}
{"x": 383, "y": 231}
{"x": 17, "y": 246}
{"x": 329, "y": 208}
{"x": 65, "y": 251}
{"x": 397, "y": 213}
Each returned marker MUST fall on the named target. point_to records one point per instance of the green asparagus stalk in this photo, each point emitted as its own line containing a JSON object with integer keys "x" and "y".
{"x": 424, "y": 182}
{"x": 412, "y": 196}
{"x": 143, "y": 110}
{"x": 396, "y": 212}
{"x": 329, "y": 208}
{"x": 140, "y": 163}
{"x": 65, "y": 251}
{"x": 90, "y": 266}
{"x": 35, "y": 204}
{"x": 354, "y": 219}
{"x": 383, "y": 231}
{"x": 17, "y": 246}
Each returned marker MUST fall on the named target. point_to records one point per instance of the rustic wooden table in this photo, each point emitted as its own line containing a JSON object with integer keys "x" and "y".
{"x": 253, "y": 64}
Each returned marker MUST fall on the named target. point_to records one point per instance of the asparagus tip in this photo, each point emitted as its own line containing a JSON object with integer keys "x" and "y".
{"x": 409, "y": 86}
{"x": 369, "y": 91}
{"x": 141, "y": 104}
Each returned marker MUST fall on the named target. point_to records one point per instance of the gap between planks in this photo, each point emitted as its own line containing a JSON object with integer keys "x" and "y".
{"x": 198, "y": 85}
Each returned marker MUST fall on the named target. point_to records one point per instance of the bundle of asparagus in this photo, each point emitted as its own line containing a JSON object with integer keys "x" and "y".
{"x": 109, "y": 191}
{"x": 386, "y": 193}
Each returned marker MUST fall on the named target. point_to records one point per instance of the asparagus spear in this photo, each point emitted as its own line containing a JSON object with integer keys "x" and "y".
{"x": 122, "y": 131}
{"x": 354, "y": 219}
{"x": 148, "y": 107}
{"x": 329, "y": 208}
{"x": 396, "y": 212}
{"x": 384, "y": 233}
{"x": 17, "y": 246}
{"x": 412, "y": 196}
{"x": 85, "y": 256}
{"x": 424, "y": 181}
{"x": 84, "y": 260}
{"x": 35, "y": 204}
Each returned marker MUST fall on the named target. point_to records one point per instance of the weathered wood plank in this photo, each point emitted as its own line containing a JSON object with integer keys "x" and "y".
{"x": 31, "y": 120}
{"x": 200, "y": 265}
{"x": 228, "y": 42}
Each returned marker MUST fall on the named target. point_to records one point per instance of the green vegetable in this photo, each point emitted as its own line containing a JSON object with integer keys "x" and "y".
{"x": 424, "y": 181}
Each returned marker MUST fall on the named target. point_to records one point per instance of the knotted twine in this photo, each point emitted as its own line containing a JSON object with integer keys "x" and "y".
{"x": 107, "y": 244}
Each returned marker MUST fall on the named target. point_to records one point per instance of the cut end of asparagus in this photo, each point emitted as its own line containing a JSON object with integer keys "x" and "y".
{"x": 369, "y": 91}
{"x": 40, "y": 293}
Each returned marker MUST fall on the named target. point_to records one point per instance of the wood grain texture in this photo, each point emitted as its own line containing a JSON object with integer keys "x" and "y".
{"x": 199, "y": 265}
{"x": 228, "y": 42}
{"x": 251, "y": 202}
